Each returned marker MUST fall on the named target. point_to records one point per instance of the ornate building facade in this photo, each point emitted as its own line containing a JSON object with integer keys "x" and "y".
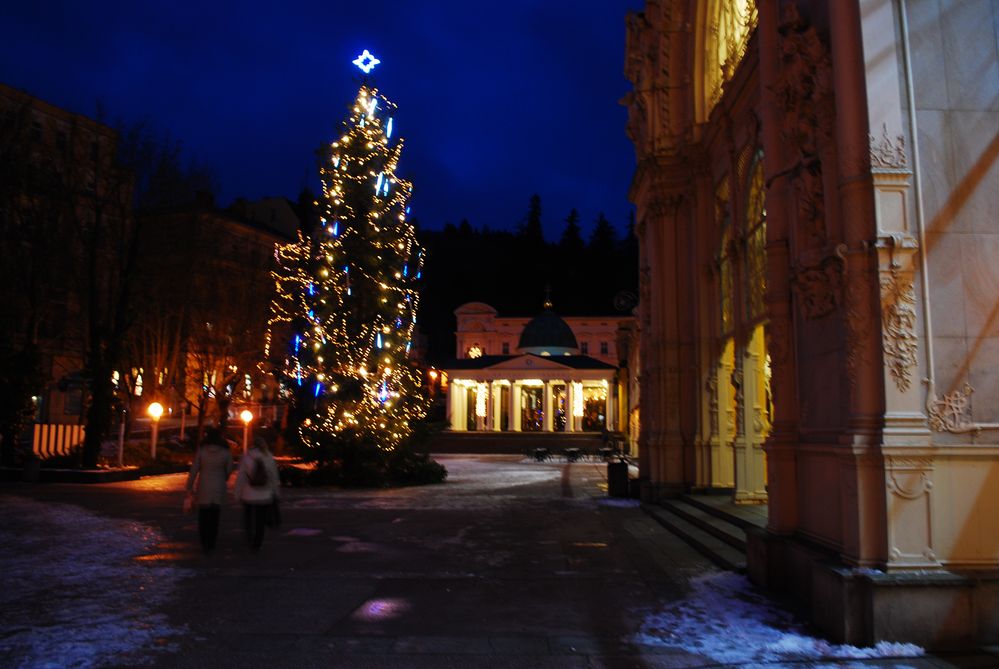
{"x": 542, "y": 374}
{"x": 818, "y": 314}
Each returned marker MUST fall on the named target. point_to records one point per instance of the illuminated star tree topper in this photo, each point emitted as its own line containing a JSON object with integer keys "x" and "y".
{"x": 366, "y": 62}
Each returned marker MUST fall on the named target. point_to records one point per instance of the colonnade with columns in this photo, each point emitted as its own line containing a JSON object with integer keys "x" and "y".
{"x": 490, "y": 415}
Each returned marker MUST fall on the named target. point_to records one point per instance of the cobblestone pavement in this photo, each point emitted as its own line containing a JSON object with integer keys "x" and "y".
{"x": 509, "y": 564}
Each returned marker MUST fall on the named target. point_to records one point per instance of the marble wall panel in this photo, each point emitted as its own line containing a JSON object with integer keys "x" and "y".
{"x": 936, "y": 157}
{"x": 969, "y": 42}
{"x": 946, "y": 283}
{"x": 983, "y": 378}
{"x": 980, "y": 258}
{"x": 927, "y": 53}
{"x": 975, "y": 200}
{"x": 950, "y": 357}
{"x": 965, "y": 495}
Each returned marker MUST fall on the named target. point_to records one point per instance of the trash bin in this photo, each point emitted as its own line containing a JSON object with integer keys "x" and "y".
{"x": 617, "y": 478}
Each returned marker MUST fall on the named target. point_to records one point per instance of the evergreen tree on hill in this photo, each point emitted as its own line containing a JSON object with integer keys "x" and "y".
{"x": 531, "y": 230}
{"x": 571, "y": 242}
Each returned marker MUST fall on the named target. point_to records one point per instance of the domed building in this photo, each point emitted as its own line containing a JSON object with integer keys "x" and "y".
{"x": 517, "y": 374}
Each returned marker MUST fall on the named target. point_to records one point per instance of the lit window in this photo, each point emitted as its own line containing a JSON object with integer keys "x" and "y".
{"x": 474, "y": 352}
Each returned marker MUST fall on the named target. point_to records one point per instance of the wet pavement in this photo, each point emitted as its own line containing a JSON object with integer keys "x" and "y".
{"x": 509, "y": 564}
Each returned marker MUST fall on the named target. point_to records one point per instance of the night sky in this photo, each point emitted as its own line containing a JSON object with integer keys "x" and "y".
{"x": 497, "y": 101}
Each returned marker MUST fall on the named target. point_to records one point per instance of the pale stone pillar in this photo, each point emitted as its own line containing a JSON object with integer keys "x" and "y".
{"x": 515, "y": 407}
{"x": 454, "y": 406}
{"x": 723, "y": 422}
{"x": 547, "y": 420}
{"x": 749, "y": 475}
{"x": 496, "y": 405}
{"x": 609, "y": 413}
{"x": 570, "y": 399}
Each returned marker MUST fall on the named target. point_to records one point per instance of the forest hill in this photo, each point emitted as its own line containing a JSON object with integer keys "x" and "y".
{"x": 510, "y": 271}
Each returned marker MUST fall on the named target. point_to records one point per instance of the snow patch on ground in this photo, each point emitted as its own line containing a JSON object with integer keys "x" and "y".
{"x": 73, "y": 595}
{"x": 724, "y": 618}
{"x": 620, "y": 503}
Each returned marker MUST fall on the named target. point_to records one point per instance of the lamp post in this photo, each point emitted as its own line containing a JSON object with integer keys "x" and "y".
{"x": 247, "y": 416}
{"x": 155, "y": 410}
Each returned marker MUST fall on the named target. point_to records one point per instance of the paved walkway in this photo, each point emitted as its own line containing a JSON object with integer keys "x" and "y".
{"x": 510, "y": 564}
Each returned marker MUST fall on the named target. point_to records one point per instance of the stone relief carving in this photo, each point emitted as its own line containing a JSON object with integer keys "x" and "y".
{"x": 909, "y": 478}
{"x": 898, "y": 321}
{"x": 858, "y": 326}
{"x": 740, "y": 412}
{"x": 647, "y": 67}
{"x": 887, "y": 153}
{"x": 712, "y": 388}
{"x": 778, "y": 340}
{"x": 819, "y": 286}
{"x": 952, "y": 412}
{"x": 645, "y": 294}
{"x": 897, "y": 466}
{"x": 804, "y": 92}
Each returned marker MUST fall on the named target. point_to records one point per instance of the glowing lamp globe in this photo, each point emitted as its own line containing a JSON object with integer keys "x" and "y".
{"x": 246, "y": 415}
{"x": 155, "y": 410}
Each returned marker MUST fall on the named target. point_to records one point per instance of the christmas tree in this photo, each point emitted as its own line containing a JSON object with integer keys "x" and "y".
{"x": 347, "y": 291}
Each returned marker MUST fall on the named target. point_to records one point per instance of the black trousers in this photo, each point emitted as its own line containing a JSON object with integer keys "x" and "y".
{"x": 208, "y": 525}
{"x": 254, "y": 519}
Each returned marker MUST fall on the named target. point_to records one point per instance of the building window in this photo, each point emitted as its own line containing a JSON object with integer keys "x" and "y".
{"x": 603, "y": 348}
{"x": 584, "y": 347}
{"x": 474, "y": 352}
{"x": 728, "y": 28}
{"x": 506, "y": 348}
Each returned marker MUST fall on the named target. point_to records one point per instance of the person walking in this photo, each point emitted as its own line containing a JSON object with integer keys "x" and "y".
{"x": 206, "y": 483}
{"x": 257, "y": 487}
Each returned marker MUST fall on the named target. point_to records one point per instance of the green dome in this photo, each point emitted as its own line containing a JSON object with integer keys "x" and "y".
{"x": 548, "y": 334}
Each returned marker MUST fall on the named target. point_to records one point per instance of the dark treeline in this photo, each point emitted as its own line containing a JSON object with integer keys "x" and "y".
{"x": 592, "y": 269}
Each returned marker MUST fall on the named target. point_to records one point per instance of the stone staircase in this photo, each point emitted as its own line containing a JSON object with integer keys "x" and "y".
{"x": 712, "y": 524}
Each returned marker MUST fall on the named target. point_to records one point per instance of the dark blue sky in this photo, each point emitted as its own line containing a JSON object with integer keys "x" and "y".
{"x": 497, "y": 101}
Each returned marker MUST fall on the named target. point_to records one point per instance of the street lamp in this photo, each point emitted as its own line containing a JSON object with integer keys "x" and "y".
{"x": 247, "y": 416}
{"x": 155, "y": 410}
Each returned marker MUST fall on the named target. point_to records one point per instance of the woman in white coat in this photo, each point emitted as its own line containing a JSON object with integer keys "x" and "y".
{"x": 207, "y": 482}
{"x": 257, "y": 487}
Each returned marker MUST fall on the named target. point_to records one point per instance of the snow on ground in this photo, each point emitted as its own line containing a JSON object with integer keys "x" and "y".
{"x": 724, "y": 618}
{"x": 73, "y": 595}
{"x": 472, "y": 484}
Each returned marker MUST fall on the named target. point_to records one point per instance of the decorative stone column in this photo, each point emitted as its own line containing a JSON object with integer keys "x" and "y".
{"x": 496, "y": 406}
{"x": 863, "y": 505}
{"x": 610, "y": 413}
{"x": 547, "y": 420}
{"x": 454, "y": 406}
{"x": 515, "y": 406}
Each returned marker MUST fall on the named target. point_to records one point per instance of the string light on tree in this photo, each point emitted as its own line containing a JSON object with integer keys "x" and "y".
{"x": 348, "y": 292}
